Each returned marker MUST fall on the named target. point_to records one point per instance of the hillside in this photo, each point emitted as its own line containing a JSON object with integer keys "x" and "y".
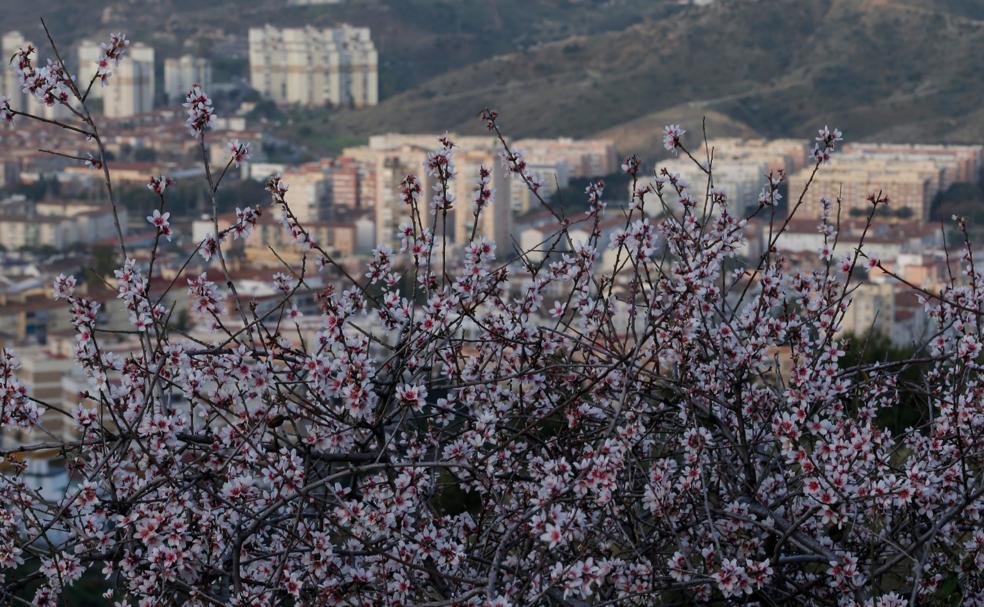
{"x": 417, "y": 39}
{"x": 644, "y": 135}
{"x": 879, "y": 69}
{"x": 876, "y": 68}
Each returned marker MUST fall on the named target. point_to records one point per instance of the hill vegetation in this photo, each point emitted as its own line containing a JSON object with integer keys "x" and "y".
{"x": 891, "y": 70}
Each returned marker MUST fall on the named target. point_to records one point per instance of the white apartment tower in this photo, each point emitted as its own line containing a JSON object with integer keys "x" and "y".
{"x": 89, "y": 53}
{"x": 10, "y": 43}
{"x": 312, "y": 67}
{"x": 396, "y": 156}
{"x": 180, "y": 74}
{"x": 131, "y": 87}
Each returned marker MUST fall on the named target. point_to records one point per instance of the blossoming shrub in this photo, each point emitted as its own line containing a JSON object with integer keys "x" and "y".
{"x": 500, "y": 428}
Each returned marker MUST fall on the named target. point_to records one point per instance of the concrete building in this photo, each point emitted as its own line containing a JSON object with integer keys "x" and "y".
{"x": 741, "y": 168}
{"x": 910, "y": 186}
{"x": 338, "y": 239}
{"x": 391, "y": 166}
{"x": 740, "y": 180}
{"x": 182, "y": 73}
{"x": 884, "y": 307}
{"x": 789, "y": 155}
{"x": 554, "y": 162}
{"x": 954, "y": 162}
{"x": 872, "y": 308}
{"x": 28, "y": 318}
{"x": 396, "y": 156}
{"x": 131, "y": 88}
{"x": 909, "y": 175}
{"x": 308, "y": 193}
{"x": 57, "y": 225}
{"x": 89, "y": 52}
{"x": 20, "y": 100}
{"x": 884, "y": 240}
{"x": 314, "y": 67}
{"x": 580, "y": 157}
{"x": 10, "y": 44}
{"x": 551, "y": 178}
{"x": 345, "y": 181}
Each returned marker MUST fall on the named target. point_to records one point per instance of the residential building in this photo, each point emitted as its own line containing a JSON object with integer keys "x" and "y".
{"x": 183, "y": 73}
{"x": 551, "y": 178}
{"x": 884, "y": 240}
{"x": 89, "y": 53}
{"x": 396, "y": 156}
{"x": 314, "y": 67}
{"x": 308, "y": 196}
{"x": 910, "y": 176}
{"x": 740, "y": 170}
{"x": 24, "y": 224}
{"x": 580, "y": 157}
{"x": 10, "y": 44}
{"x": 131, "y": 88}
{"x": 954, "y": 162}
{"x": 20, "y": 100}
{"x": 907, "y": 185}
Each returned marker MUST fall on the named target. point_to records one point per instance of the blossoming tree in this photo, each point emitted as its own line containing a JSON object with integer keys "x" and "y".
{"x": 510, "y": 429}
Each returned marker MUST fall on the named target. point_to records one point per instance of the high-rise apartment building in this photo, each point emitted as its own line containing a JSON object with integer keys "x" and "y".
{"x": 396, "y": 156}
{"x": 308, "y": 195}
{"x": 131, "y": 88}
{"x": 581, "y": 157}
{"x": 909, "y": 187}
{"x": 89, "y": 52}
{"x": 181, "y": 74}
{"x": 741, "y": 169}
{"x": 910, "y": 176}
{"x": 313, "y": 67}
{"x": 553, "y": 162}
{"x": 955, "y": 162}
{"x": 10, "y": 43}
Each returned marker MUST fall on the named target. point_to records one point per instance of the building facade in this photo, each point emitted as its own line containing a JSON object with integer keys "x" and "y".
{"x": 314, "y": 67}
{"x": 131, "y": 88}
{"x": 393, "y": 157}
{"x": 182, "y": 73}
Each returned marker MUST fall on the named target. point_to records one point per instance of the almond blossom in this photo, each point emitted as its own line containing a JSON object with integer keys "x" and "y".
{"x": 489, "y": 429}
{"x": 160, "y": 221}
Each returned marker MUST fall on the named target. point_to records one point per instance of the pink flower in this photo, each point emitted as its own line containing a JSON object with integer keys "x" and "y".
{"x": 6, "y": 112}
{"x": 160, "y": 221}
{"x": 240, "y": 151}
{"x": 158, "y": 184}
{"x": 552, "y": 535}
{"x": 410, "y": 190}
{"x": 489, "y": 116}
{"x": 209, "y": 246}
{"x": 113, "y": 52}
{"x": 92, "y": 162}
{"x": 201, "y": 114}
{"x": 630, "y": 166}
{"x": 826, "y": 139}
{"x": 245, "y": 221}
{"x": 115, "y": 48}
{"x": 412, "y": 396}
{"x": 84, "y": 416}
{"x": 671, "y": 136}
{"x": 64, "y": 286}
{"x": 293, "y": 584}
